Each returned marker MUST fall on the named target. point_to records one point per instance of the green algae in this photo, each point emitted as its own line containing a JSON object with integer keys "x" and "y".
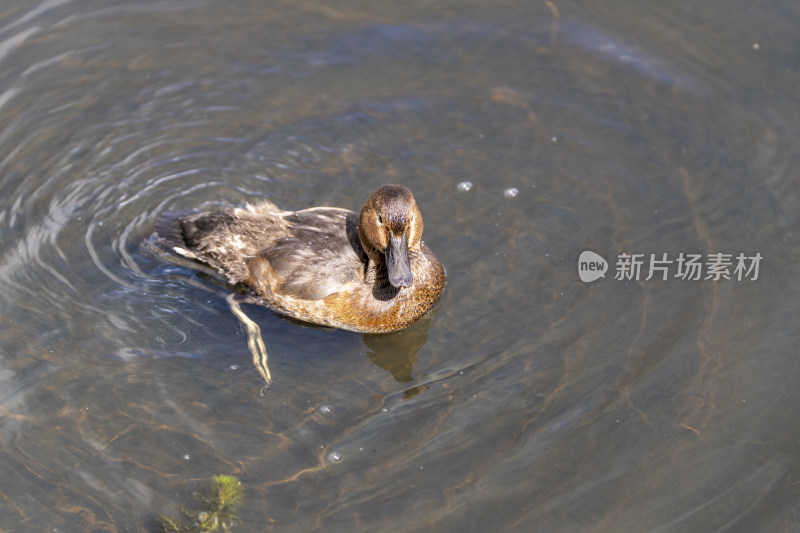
{"x": 217, "y": 509}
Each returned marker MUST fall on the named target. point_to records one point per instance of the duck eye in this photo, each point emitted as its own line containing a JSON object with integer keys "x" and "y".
{"x": 380, "y": 219}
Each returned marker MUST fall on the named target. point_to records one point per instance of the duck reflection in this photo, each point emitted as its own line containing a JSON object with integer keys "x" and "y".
{"x": 397, "y": 352}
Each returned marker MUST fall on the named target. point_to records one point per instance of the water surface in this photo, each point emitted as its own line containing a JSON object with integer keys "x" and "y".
{"x": 530, "y": 400}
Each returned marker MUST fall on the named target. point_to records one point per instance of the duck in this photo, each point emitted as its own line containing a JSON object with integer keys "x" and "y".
{"x": 368, "y": 272}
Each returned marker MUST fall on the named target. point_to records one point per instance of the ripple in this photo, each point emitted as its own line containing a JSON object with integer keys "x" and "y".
{"x": 526, "y": 378}
{"x": 173, "y": 337}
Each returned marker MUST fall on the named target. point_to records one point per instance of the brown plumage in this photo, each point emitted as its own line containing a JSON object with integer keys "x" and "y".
{"x": 368, "y": 273}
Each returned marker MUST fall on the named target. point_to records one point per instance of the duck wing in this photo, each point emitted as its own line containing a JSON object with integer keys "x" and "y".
{"x": 320, "y": 253}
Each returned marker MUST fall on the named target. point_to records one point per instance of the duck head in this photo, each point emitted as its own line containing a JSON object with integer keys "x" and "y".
{"x": 389, "y": 227}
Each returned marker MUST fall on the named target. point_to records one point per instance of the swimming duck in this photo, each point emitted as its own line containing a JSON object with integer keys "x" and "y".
{"x": 367, "y": 273}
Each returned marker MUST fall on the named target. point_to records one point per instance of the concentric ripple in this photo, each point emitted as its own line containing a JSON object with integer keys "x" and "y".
{"x": 528, "y": 399}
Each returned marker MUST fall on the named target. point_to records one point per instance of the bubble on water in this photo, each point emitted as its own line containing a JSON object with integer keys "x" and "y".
{"x": 511, "y": 192}
{"x": 234, "y": 367}
{"x": 325, "y": 408}
{"x": 173, "y": 337}
{"x": 334, "y": 457}
{"x": 186, "y": 457}
{"x": 464, "y": 186}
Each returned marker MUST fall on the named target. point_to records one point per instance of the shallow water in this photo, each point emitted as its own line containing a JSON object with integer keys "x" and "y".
{"x": 529, "y": 400}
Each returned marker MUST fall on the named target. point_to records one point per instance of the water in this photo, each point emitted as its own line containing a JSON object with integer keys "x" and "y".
{"x": 530, "y": 400}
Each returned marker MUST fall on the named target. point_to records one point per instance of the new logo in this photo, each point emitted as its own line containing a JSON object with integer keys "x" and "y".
{"x": 591, "y": 266}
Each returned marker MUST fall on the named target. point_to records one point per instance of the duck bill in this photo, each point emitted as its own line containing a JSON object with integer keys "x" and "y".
{"x": 398, "y": 263}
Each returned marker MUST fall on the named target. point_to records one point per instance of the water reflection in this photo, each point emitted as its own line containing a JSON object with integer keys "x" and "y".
{"x": 529, "y": 400}
{"x": 397, "y": 353}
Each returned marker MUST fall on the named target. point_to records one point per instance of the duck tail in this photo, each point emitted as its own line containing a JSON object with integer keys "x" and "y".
{"x": 169, "y": 228}
{"x": 188, "y": 230}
